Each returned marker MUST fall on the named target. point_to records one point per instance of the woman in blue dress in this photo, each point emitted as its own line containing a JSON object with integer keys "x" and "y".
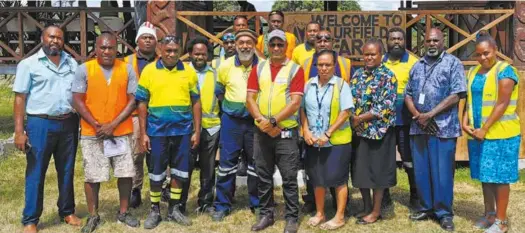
{"x": 494, "y": 129}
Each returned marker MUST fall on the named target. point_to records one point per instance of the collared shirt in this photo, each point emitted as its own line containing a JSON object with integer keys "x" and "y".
{"x": 80, "y": 84}
{"x": 48, "y": 87}
{"x": 337, "y": 70}
{"x": 201, "y": 75}
{"x": 302, "y": 52}
{"x": 375, "y": 92}
{"x": 232, "y": 83}
{"x": 169, "y": 94}
{"x": 401, "y": 69}
{"x": 324, "y": 95}
{"x": 431, "y": 84}
{"x": 296, "y": 85}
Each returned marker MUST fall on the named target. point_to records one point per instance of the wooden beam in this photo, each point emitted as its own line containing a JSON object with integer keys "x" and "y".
{"x": 72, "y": 52}
{"x": 414, "y": 20}
{"x": 428, "y": 24}
{"x": 9, "y": 50}
{"x": 473, "y": 35}
{"x": 20, "y": 34}
{"x": 83, "y": 35}
{"x": 98, "y": 20}
{"x": 36, "y": 48}
{"x": 28, "y": 17}
{"x": 199, "y": 29}
{"x": 7, "y": 19}
{"x": 460, "y": 12}
{"x": 68, "y": 20}
{"x": 466, "y": 34}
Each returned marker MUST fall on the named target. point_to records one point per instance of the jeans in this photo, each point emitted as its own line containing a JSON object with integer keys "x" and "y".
{"x": 57, "y": 138}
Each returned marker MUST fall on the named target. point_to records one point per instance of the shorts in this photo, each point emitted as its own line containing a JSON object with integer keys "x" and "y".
{"x": 97, "y": 166}
{"x": 172, "y": 151}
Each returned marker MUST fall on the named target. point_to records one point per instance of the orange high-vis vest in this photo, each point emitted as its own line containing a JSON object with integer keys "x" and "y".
{"x": 106, "y": 101}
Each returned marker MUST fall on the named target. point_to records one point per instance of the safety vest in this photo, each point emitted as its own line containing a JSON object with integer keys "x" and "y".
{"x": 132, "y": 60}
{"x": 274, "y": 96}
{"x": 209, "y": 102}
{"x": 509, "y": 124}
{"x": 344, "y": 64}
{"x": 343, "y": 135}
{"x": 106, "y": 101}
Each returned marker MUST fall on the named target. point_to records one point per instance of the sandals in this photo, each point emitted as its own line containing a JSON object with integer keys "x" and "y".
{"x": 496, "y": 227}
{"x": 315, "y": 221}
{"x": 483, "y": 223}
{"x": 330, "y": 225}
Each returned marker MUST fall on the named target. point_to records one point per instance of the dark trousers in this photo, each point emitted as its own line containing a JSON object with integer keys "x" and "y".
{"x": 236, "y": 135}
{"x": 205, "y": 154}
{"x": 283, "y": 153}
{"x": 57, "y": 138}
{"x": 434, "y": 163}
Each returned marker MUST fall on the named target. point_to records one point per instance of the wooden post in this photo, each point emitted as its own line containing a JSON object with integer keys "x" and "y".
{"x": 163, "y": 15}
{"x": 83, "y": 35}
{"x": 519, "y": 62}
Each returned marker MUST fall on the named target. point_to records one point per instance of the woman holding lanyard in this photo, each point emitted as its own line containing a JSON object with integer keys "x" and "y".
{"x": 324, "y": 115}
{"x": 374, "y": 88}
{"x": 494, "y": 129}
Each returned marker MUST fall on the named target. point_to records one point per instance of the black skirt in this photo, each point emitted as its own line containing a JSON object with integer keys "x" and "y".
{"x": 374, "y": 162}
{"x": 329, "y": 166}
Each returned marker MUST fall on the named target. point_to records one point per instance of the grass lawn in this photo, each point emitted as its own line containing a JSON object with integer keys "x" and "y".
{"x": 468, "y": 201}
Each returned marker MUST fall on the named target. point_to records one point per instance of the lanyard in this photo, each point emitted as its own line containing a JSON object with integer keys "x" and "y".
{"x": 432, "y": 67}
{"x": 319, "y": 102}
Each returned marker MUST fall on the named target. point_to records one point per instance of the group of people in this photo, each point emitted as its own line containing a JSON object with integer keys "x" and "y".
{"x": 305, "y": 109}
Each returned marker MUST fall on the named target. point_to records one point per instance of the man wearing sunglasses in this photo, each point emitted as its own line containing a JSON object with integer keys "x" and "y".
{"x": 275, "y": 90}
{"x": 307, "y": 49}
{"x": 236, "y": 133}
{"x": 147, "y": 43}
{"x": 170, "y": 124}
{"x": 276, "y": 20}
{"x": 228, "y": 41}
{"x": 343, "y": 67}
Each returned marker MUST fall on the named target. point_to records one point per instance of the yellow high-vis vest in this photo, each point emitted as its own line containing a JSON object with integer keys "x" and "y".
{"x": 343, "y": 135}
{"x": 274, "y": 96}
{"x": 344, "y": 68}
{"x": 209, "y": 102}
{"x": 509, "y": 124}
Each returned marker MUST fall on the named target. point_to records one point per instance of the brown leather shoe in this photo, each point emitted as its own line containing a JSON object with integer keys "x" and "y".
{"x": 73, "y": 220}
{"x": 31, "y": 228}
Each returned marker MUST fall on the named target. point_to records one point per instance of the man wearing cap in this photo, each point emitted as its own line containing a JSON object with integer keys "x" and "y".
{"x": 170, "y": 124}
{"x": 276, "y": 19}
{"x": 325, "y": 41}
{"x": 240, "y": 22}
{"x": 147, "y": 42}
{"x": 275, "y": 90}
{"x": 228, "y": 41}
{"x": 307, "y": 49}
{"x": 236, "y": 124}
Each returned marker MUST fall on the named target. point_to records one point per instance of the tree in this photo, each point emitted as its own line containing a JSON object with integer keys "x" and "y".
{"x": 313, "y": 5}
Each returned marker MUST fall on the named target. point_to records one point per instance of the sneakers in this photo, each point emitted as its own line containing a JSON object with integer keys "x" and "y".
{"x": 91, "y": 225}
{"x": 174, "y": 214}
{"x": 153, "y": 219}
{"x": 127, "y": 219}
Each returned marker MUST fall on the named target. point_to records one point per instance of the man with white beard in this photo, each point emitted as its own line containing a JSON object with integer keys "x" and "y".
{"x": 236, "y": 124}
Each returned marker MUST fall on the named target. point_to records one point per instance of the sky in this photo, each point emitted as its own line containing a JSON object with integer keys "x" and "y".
{"x": 367, "y": 5}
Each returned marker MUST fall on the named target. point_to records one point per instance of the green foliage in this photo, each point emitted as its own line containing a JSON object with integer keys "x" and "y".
{"x": 313, "y": 5}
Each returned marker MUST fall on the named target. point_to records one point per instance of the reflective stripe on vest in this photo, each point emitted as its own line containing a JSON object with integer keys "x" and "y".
{"x": 343, "y": 134}
{"x": 508, "y": 125}
{"x": 210, "y": 108}
{"x": 106, "y": 101}
{"x": 274, "y": 96}
{"x": 343, "y": 68}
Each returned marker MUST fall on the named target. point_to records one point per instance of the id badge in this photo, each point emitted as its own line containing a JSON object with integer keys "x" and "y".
{"x": 421, "y": 99}
{"x": 286, "y": 134}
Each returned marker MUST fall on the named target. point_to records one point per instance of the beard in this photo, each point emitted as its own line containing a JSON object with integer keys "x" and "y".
{"x": 396, "y": 52}
{"x": 198, "y": 64}
{"x": 433, "y": 52}
{"x": 51, "y": 51}
{"x": 245, "y": 55}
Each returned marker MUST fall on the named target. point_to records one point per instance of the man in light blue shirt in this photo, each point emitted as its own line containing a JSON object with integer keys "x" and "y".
{"x": 205, "y": 153}
{"x": 43, "y": 91}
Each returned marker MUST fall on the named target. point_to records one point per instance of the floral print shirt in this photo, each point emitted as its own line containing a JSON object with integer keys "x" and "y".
{"x": 375, "y": 92}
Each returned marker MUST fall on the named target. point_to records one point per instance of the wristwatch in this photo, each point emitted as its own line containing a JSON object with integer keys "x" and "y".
{"x": 273, "y": 122}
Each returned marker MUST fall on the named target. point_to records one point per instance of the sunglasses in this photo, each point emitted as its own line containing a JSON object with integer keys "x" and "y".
{"x": 326, "y": 37}
{"x": 228, "y": 37}
{"x": 272, "y": 45}
{"x": 170, "y": 39}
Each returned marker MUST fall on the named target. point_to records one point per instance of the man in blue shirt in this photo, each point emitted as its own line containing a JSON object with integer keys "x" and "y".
{"x": 436, "y": 84}
{"x": 43, "y": 91}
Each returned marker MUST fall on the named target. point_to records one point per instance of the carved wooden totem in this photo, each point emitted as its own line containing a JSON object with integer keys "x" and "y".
{"x": 162, "y": 15}
{"x": 519, "y": 35}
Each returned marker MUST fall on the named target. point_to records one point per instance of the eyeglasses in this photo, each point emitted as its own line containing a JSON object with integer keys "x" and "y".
{"x": 272, "y": 45}
{"x": 324, "y": 36}
{"x": 170, "y": 39}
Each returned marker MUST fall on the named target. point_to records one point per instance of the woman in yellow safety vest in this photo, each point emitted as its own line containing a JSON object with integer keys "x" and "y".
{"x": 325, "y": 113}
{"x": 494, "y": 131}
